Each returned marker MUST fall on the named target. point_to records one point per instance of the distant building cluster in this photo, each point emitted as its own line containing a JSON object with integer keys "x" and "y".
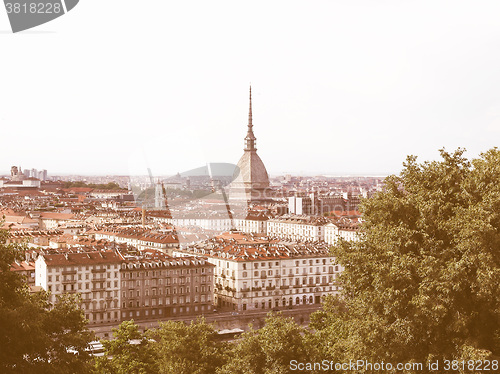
{"x": 30, "y": 179}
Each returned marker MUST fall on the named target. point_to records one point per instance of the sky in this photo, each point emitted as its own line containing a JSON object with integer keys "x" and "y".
{"x": 339, "y": 87}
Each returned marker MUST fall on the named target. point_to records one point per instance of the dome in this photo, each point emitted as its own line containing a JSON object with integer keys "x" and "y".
{"x": 251, "y": 171}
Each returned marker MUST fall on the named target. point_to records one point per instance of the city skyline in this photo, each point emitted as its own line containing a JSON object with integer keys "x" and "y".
{"x": 338, "y": 89}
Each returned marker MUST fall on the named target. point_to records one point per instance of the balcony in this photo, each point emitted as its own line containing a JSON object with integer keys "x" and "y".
{"x": 69, "y": 272}
{"x": 66, "y": 281}
{"x": 98, "y": 280}
{"x": 98, "y": 270}
{"x": 297, "y": 286}
{"x": 268, "y": 288}
{"x": 245, "y": 289}
{"x": 284, "y": 287}
{"x": 290, "y": 275}
{"x": 256, "y": 288}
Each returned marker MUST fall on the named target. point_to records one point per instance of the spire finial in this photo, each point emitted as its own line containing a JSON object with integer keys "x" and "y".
{"x": 250, "y": 138}
{"x": 250, "y": 111}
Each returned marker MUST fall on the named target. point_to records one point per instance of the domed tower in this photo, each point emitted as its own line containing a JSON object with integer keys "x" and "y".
{"x": 251, "y": 183}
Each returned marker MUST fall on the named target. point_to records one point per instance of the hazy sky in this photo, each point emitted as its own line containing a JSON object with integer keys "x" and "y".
{"x": 339, "y": 87}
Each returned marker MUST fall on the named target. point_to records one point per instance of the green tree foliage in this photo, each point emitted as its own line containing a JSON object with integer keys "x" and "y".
{"x": 34, "y": 336}
{"x": 423, "y": 281}
{"x": 268, "y": 350}
{"x": 331, "y": 331}
{"x": 187, "y": 348}
{"x": 129, "y": 352}
{"x": 107, "y": 186}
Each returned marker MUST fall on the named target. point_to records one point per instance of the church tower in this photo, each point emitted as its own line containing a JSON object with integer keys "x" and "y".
{"x": 252, "y": 181}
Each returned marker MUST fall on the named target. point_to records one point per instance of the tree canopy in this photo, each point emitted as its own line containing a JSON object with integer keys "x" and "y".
{"x": 187, "y": 348}
{"x": 35, "y": 336}
{"x": 422, "y": 283}
{"x": 268, "y": 350}
{"x": 129, "y": 352}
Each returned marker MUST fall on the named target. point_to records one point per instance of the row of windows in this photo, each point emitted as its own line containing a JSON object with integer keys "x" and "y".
{"x": 284, "y": 302}
{"x": 291, "y": 282}
{"x": 80, "y": 286}
{"x": 167, "y": 300}
{"x": 277, "y": 263}
{"x": 292, "y": 291}
{"x": 93, "y": 317}
{"x": 76, "y": 268}
{"x": 179, "y": 310}
{"x": 168, "y": 273}
{"x": 174, "y": 290}
{"x": 156, "y": 282}
{"x": 87, "y": 277}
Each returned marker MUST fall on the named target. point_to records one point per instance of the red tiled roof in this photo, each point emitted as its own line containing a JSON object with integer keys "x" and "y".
{"x": 52, "y": 215}
{"x": 83, "y": 258}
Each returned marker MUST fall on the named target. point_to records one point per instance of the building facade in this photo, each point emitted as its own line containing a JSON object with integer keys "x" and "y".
{"x": 260, "y": 273}
{"x": 292, "y": 227}
{"x": 162, "y": 286}
{"x": 95, "y": 275}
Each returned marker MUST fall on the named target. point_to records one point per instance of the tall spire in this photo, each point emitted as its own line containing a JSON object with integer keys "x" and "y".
{"x": 250, "y": 138}
{"x": 250, "y": 112}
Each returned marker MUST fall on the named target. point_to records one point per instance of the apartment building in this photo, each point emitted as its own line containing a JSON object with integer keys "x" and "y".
{"x": 93, "y": 274}
{"x": 139, "y": 238}
{"x": 345, "y": 230}
{"x": 156, "y": 286}
{"x": 255, "y": 272}
{"x": 297, "y": 228}
{"x": 252, "y": 223}
{"x": 122, "y": 285}
{"x": 37, "y": 237}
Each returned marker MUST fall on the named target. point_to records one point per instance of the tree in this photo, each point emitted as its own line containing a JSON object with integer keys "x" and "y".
{"x": 331, "y": 330}
{"x": 423, "y": 282}
{"x": 268, "y": 350}
{"x": 35, "y": 335}
{"x": 129, "y": 352}
{"x": 187, "y": 348}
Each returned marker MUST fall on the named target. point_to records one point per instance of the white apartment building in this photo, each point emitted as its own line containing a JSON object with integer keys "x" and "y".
{"x": 213, "y": 224}
{"x": 52, "y": 220}
{"x": 297, "y": 228}
{"x": 95, "y": 275}
{"x": 345, "y": 231}
{"x": 253, "y": 223}
{"x": 250, "y": 225}
{"x": 259, "y": 273}
{"x": 139, "y": 238}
